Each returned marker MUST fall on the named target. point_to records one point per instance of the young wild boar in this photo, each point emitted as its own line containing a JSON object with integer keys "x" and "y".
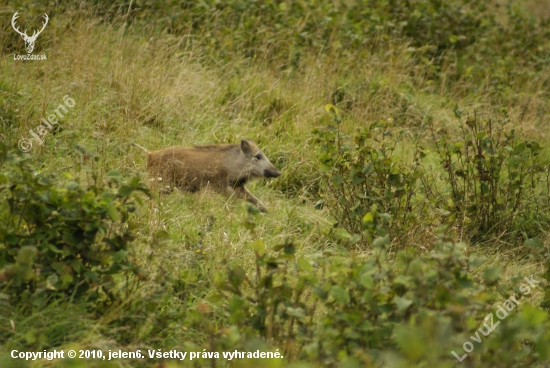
{"x": 226, "y": 168}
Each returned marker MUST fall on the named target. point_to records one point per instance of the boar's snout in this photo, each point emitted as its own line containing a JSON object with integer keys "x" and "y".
{"x": 271, "y": 173}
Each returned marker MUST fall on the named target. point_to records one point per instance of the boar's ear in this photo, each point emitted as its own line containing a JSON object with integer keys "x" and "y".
{"x": 246, "y": 147}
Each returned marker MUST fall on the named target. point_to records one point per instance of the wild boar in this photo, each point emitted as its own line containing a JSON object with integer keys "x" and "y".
{"x": 225, "y": 168}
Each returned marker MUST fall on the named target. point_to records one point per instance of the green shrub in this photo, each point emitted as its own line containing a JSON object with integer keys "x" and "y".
{"x": 367, "y": 187}
{"x": 65, "y": 238}
{"x": 498, "y": 181}
{"x": 440, "y": 23}
{"x": 369, "y": 311}
{"x": 269, "y": 303}
{"x": 539, "y": 251}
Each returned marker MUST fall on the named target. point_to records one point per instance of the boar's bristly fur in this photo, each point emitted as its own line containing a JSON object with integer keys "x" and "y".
{"x": 225, "y": 168}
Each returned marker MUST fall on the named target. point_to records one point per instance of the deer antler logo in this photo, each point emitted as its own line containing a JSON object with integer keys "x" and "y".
{"x": 29, "y": 41}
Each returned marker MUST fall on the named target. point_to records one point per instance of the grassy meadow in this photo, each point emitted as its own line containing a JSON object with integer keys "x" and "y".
{"x": 414, "y": 144}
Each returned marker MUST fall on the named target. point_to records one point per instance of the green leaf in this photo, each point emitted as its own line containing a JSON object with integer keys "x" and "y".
{"x": 519, "y": 148}
{"x": 367, "y": 281}
{"x": 331, "y": 109}
{"x": 368, "y": 218}
{"x": 113, "y": 174}
{"x": 78, "y": 148}
{"x": 402, "y": 303}
{"x": 249, "y": 224}
{"x": 235, "y": 304}
{"x": 475, "y": 262}
{"x": 51, "y": 281}
{"x": 457, "y": 111}
{"x": 320, "y": 292}
{"x": 289, "y": 249}
{"x": 484, "y": 188}
{"x": 113, "y": 213}
{"x": 403, "y": 280}
{"x": 533, "y": 316}
{"x": 12, "y": 239}
{"x": 339, "y": 294}
{"x": 258, "y": 246}
{"x": 305, "y": 265}
{"x": 381, "y": 242}
{"x": 253, "y": 210}
{"x": 368, "y": 168}
{"x": 161, "y": 237}
{"x": 337, "y": 179}
{"x": 410, "y": 340}
{"x": 53, "y": 248}
{"x": 124, "y": 191}
{"x": 342, "y": 234}
{"x": 492, "y": 274}
{"x": 26, "y": 254}
{"x": 534, "y": 242}
{"x": 66, "y": 280}
{"x": 30, "y": 337}
{"x": 215, "y": 297}
{"x": 236, "y": 276}
{"x": 295, "y": 312}
{"x": 120, "y": 256}
{"x": 72, "y": 185}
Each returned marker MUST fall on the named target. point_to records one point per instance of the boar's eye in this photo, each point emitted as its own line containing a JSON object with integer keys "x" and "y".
{"x": 258, "y": 157}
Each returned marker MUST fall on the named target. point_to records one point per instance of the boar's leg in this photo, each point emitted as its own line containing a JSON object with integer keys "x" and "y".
{"x": 243, "y": 193}
{"x": 166, "y": 190}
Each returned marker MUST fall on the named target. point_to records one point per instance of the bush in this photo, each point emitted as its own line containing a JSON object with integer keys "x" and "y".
{"x": 495, "y": 182}
{"x": 370, "y": 311}
{"x": 69, "y": 239}
{"x": 499, "y": 182}
{"x": 439, "y": 23}
{"x": 268, "y": 303}
{"x": 366, "y": 186}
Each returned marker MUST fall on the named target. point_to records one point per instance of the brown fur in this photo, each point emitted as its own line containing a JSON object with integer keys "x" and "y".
{"x": 225, "y": 168}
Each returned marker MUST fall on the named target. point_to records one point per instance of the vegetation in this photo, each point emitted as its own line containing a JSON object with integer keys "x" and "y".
{"x": 413, "y": 209}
